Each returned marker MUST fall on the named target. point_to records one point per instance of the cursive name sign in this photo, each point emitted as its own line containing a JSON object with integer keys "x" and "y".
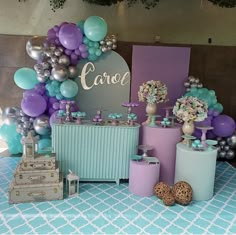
{"x": 101, "y": 79}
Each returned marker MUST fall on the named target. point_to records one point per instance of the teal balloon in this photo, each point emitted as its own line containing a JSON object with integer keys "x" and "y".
{"x": 25, "y": 78}
{"x": 12, "y": 138}
{"x": 95, "y": 28}
{"x": 80, "y": 24}
{"x": 43, "y": 145}
{"x": 92, "y": 57}
{"x": 69, "y": 88}
{"x": 218, "y": 107}
{"x": 98, "y": 52}
{"x": 91, "y": 50}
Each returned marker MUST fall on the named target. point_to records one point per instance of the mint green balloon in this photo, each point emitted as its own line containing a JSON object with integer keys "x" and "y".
{"x": 95, "y": 28}
{"x": 25, "y": 78}
{"x": 69, "y": 88}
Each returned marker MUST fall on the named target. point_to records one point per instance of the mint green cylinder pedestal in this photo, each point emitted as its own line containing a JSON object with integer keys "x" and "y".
{"x": 198, "y": 169}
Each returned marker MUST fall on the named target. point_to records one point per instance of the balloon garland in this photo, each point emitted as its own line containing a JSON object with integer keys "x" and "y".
{"x": 50, "y": 84}
{"x": 224, "y": 125}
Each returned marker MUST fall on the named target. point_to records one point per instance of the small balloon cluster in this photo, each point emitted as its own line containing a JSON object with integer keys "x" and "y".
{"x": 192, "y": 82}
{"x": 226, "y": 147}
{"x": 50, "y": 84}
{"x": 223, "y": 125}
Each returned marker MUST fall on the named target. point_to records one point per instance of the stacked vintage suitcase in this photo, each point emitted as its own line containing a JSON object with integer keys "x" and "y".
{"x": 37, "y": 176}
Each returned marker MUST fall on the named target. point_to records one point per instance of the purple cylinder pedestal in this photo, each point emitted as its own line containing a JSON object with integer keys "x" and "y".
{"x": 143, "y": 177}
{"x": 164, "y": 142}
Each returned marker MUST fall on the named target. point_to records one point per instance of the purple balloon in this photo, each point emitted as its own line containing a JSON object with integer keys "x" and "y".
{"x": 33, "y": 105}
{"x": 53, "y": 118}
{"x": 70, "y": 36}
{"x": 56, "y": 105}
{"x": 210, "y": 135}
{"x": 224, "y": 125}
{"x": 53, "y": 100}
{"x": 51, "y": 34}
{"x": 82, "y": 48}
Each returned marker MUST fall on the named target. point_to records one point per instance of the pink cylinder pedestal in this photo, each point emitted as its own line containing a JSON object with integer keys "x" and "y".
{"x": 143, "y": 177}
{"x": 164, "y": 142}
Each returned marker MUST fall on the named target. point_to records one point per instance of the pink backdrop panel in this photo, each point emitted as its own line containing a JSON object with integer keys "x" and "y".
{"x": 167, "y": 64}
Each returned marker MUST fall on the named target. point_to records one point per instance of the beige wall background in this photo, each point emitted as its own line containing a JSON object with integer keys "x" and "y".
{"x": 175, "y": 21}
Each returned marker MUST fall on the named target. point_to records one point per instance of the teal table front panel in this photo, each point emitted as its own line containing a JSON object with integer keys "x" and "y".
{"x": 93, "y": 152}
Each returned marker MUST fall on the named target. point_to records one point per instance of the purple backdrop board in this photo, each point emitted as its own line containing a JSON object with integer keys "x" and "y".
{"x": 167, "y": 64}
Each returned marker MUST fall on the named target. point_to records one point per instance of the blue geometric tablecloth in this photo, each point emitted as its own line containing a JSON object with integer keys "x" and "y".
{"x": 107, "y": 208}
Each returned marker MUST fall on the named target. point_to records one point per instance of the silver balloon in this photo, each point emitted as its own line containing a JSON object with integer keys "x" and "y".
{"x": 52, "y": 47}
{"x": 104, "y": 49}
{"x": 47, "y": 73}
{"x": 102, "y": 42}
{"x": 10, "y": 115}
{"x": 38, "y": 67}
{"x": 73, "y": 71}
{"x": 222, "y": 154}
{"x": 54, "y": 59}
{"x": 34, "y": 47}
{"x": 64, "y": 59}
{"x": 187, "y": 84}
{"x": 197, "y": 80}
{"x": 193, "y": 85}
{"x": 232, "y": 141}
{"x": 109, "y": 43}
{"x": 226, "y": 148}
{"x": 191, "y": 79}
{"x": 59, "y": 73}
{"x": 114, "y": 46}
{"x": 45, "y": 65}
{"x": 222, "y": 142}
{"x": 42, "y": 78}
{"x": 41, "y": 125}
{"x": 188, "y": 89}
{"x": 199, "y": 85}
{"x": 230, "y": 155}
{"x": 48, "y": 52}
{"x": 57, "y": 52}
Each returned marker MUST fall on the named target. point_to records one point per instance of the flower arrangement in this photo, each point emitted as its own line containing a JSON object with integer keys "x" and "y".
{"x": 152, "y": 92}
{"x": 189, "y": 108}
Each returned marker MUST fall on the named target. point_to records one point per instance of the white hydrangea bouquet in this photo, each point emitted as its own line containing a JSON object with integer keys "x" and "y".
{"x": 189, "y": 108}
{"x": 152, "y": 92}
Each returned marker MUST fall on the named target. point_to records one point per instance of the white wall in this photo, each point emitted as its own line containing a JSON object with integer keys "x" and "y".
{"x": 176, "y": 21}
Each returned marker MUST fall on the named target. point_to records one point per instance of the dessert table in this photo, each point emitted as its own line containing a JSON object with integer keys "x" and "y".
{"x": 95, "y": 152}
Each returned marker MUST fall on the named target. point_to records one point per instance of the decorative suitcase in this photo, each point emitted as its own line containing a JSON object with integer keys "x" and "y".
{"x": 35, "y": 192}
{"x": 38, "y": 163}
{"x": 36, "y": 176}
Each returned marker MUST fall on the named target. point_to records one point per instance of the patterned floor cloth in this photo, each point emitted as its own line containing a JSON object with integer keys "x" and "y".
{"x": 107, "y": 208}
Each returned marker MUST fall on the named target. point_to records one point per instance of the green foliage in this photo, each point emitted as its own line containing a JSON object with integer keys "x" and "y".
{"x": 224, "y": 3}
{"x": 147, "y": 3}
{"x": 56, "y": 4}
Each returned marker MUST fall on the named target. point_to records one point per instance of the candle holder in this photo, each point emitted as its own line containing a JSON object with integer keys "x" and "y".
{"x": 68, "y": 116}
{"x": 60, "y": 116}
{"x": 211, "y": 144}
{"x": 79, "y": 116}
{"x": 172, "y": 120}
{"x": 188, "y": 140}
{"x": 98, "y": 118}
{"x": 204, "y": 130}
{"x": 132, "y": 117}
{"x": 145, "y": 148}
{"x": 167, "y": 110}
{"x": 153, "y": 119}
{"x": 114, "y": 118}
{"x": 129, "y": 106}
{"x": 165, "y": 122}
{"x": 197, "y": 145}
